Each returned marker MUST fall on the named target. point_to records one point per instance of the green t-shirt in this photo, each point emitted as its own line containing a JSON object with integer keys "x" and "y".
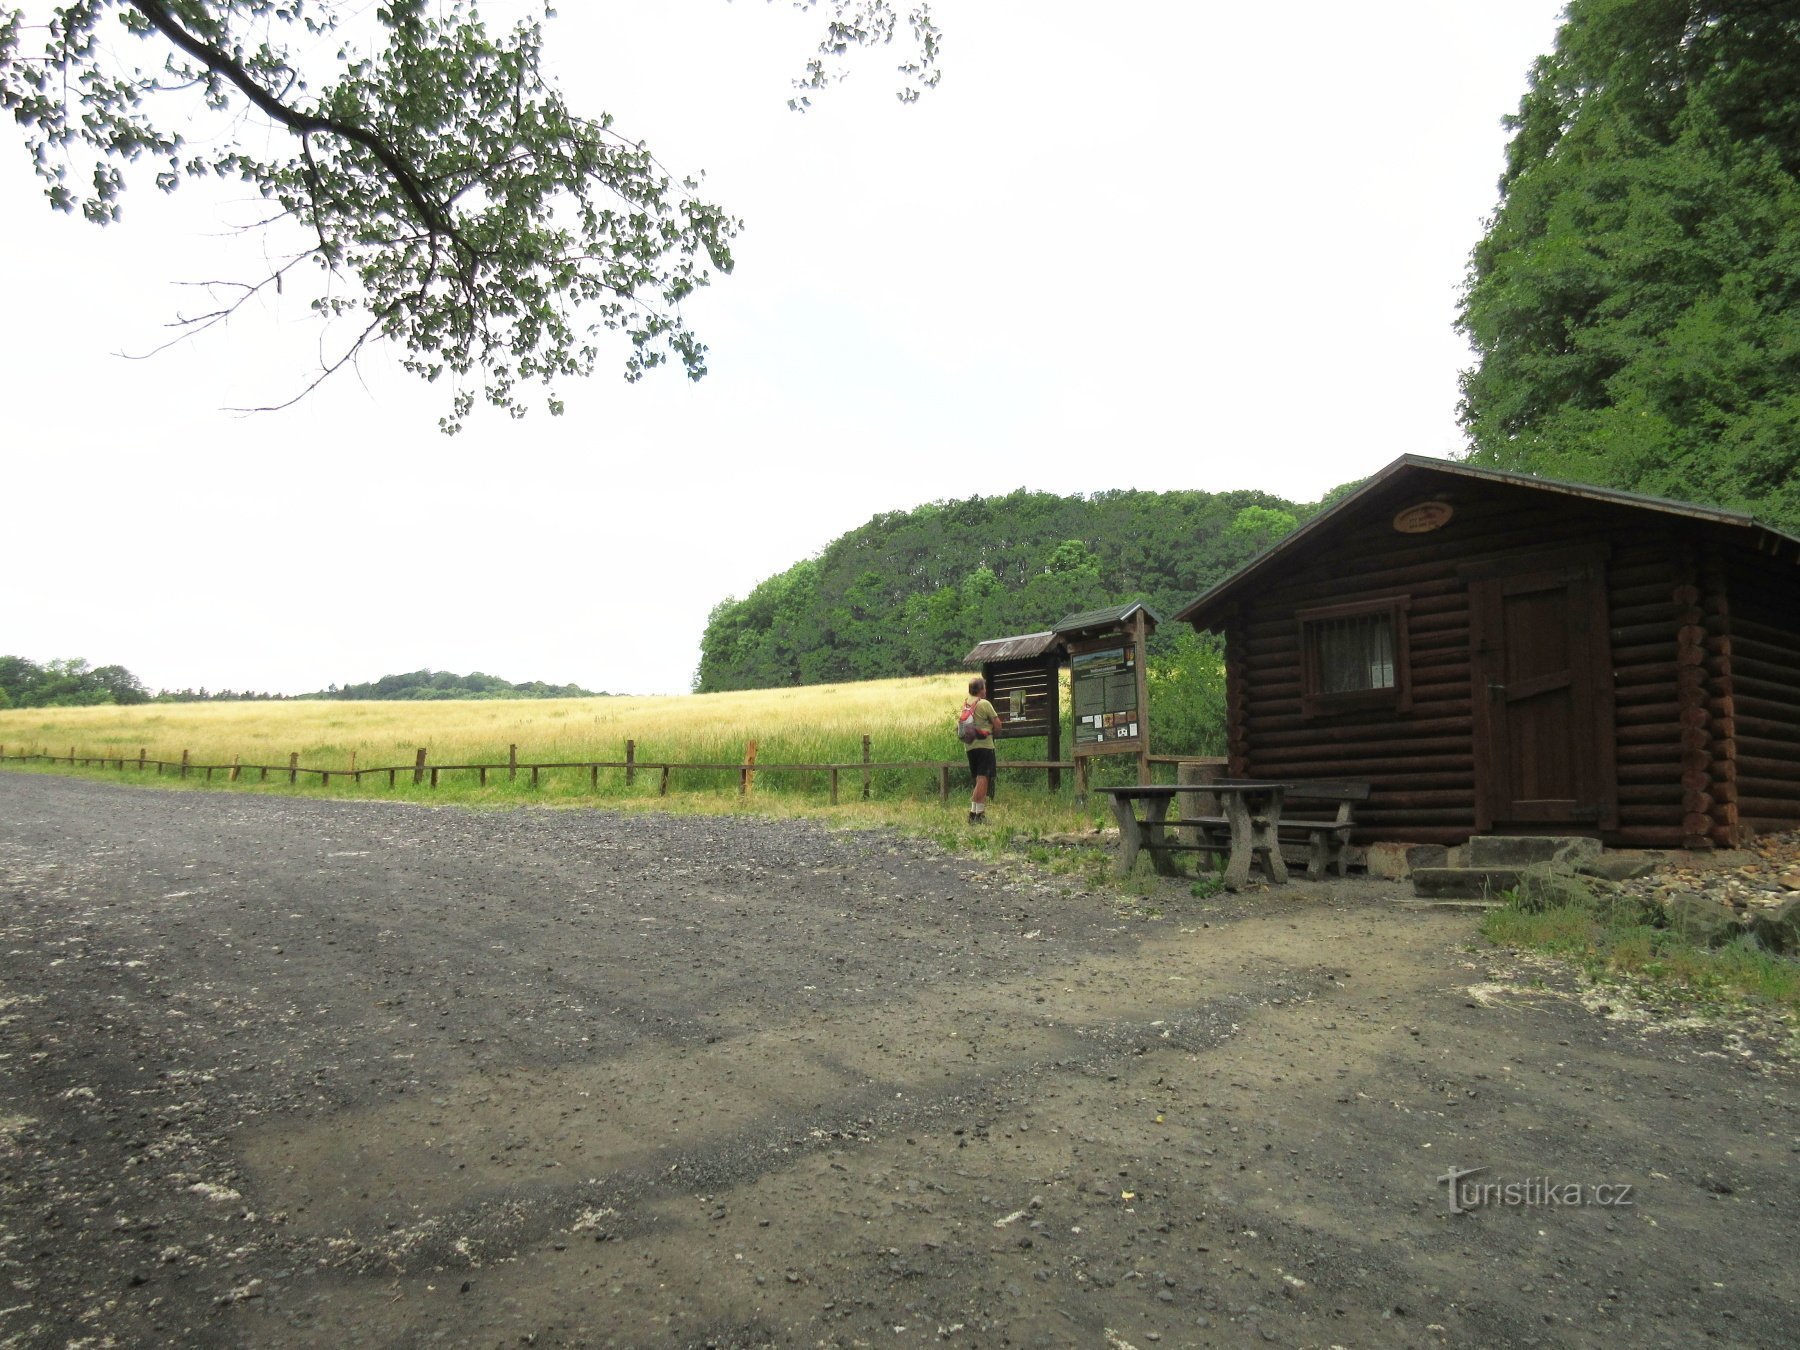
{"x": 984, "y": 719}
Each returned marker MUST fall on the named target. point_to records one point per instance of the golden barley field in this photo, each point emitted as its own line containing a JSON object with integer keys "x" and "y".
{"x": 906, "y": 719}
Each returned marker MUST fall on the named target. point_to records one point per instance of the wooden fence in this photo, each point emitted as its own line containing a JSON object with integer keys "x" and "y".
{"x": 424, "y": 771}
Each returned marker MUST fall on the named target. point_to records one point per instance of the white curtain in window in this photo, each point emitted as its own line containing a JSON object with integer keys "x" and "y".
{"x": 1356, "y": 654}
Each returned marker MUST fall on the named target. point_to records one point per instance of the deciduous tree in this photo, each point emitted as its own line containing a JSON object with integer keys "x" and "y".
{"x": 485, "y": 227}
{"x": 1635, "y": 304}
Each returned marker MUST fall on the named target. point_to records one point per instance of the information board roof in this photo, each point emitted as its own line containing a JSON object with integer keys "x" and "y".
{"x": 1020, "y": 647}
{"x": 1114, "y": 616}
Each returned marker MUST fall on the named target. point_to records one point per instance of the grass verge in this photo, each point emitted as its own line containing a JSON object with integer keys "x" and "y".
{"x": 1617, "y": 941}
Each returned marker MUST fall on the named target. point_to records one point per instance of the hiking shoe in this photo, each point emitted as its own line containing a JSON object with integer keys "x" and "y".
{"x": 976, "y": 818}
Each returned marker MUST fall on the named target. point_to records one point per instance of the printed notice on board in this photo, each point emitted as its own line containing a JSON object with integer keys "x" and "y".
{"x": 1105, "y": 693}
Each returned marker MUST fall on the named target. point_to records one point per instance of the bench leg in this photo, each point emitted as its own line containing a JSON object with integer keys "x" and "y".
{"x": 1128, "y": 834}
{"x": 1266, "y": 839}
{"x": 1318, "y": 857}
{"x": 1243, "y": 845}
{"x": 1156, "y": 839}
{"x": 1269, "y": 844}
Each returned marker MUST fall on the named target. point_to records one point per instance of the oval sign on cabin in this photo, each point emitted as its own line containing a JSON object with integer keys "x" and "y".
{"x": 1424, "y": 517}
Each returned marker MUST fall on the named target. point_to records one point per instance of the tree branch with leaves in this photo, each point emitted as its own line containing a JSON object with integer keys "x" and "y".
{"x": 484, "y": 228}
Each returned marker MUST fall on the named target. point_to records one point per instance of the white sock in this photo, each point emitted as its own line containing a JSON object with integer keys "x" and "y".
{"x": 978, "y": 808}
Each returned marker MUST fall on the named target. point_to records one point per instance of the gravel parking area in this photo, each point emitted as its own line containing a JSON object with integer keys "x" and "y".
{"x": 288, "y": 1072}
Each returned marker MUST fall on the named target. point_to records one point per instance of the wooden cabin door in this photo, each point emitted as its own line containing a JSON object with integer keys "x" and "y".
{"x": 1543, "y": 715}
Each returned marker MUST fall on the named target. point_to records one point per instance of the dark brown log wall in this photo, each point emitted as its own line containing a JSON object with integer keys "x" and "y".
{"x": 1764, "y": 694}
{"x": 1720, "y": 753}
{"x": 1421, "y": 762}
{"x": 1651, "y": 588}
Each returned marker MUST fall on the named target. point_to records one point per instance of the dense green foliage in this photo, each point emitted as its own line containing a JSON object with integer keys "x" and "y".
{"x": 1187, "y": 694}
{"x": 439, "y": 191}
{"x": 912, "y": 591}
{"x": 1635, "y": 305}
{"x": 65, "y": 684}
{"x": 441, "y": 684}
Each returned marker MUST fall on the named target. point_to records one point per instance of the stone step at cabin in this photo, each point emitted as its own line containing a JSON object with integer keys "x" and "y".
{"x": 1490, "y": 865}
{"x": 1530, "y": 850}
{"x": 1464, "y": 883}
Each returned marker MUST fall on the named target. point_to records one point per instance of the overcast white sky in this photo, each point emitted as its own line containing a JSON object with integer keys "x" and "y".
{"x": 1176, "y": 246}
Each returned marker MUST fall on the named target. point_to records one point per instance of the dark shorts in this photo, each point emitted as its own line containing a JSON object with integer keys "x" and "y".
{"x": 982, "y": 763}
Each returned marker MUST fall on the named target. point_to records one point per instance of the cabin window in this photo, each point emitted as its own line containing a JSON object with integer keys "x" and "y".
{"x": 1353, "y": 657}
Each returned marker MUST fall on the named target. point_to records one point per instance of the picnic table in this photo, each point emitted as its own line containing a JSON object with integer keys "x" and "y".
{"x": 1250, "y": 816}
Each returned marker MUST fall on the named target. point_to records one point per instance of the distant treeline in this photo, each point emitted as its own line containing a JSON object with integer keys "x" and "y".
{"x": 205, "y": 695}
{"x": 73, "y": 683}
{"x": 69, "y": 683}
{"x": 912, "y": 591}
{"x": 428, "y": 684}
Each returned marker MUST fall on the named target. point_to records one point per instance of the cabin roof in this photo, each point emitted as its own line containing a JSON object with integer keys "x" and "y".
{"x": 1409, "y": 472}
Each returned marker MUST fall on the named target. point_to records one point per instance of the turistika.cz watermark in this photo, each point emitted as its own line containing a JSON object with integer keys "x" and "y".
{"x": 1466, "y": 1194}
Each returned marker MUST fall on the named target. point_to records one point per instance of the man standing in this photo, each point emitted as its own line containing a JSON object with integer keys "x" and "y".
{"x": 982, "y": 765}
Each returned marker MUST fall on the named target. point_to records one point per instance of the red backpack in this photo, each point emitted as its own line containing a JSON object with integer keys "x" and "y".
{"x": 966, "y": 730}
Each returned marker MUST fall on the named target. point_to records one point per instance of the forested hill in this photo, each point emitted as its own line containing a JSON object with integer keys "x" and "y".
{"x": 911, "y": 591}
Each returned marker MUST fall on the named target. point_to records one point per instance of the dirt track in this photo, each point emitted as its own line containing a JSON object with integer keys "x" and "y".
{"x": 285, "y": 1072}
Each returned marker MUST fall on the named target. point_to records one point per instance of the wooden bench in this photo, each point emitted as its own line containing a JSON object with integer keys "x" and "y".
{"x": 1324, "y": 823}
{"x": 1246, "y": 833}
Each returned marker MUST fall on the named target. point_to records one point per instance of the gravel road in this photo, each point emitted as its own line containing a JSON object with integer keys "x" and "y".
{"x": 285, "y": 1072}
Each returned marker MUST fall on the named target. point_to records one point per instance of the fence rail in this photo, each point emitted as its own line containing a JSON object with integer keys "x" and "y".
{"x": 423, "y": 771}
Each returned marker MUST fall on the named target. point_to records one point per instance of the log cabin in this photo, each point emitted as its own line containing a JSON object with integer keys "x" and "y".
{"x": 1501, "y": 654}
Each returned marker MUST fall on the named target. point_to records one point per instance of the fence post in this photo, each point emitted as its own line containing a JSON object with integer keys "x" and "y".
{"x": 512, "y": 763}
{"x": 593, "y": 778}
{"x": 866, "y": 777}
{"x": 184, "y": 763}
{"x": 944, "y": 783}
{"x": 834, "y": 784}
{"x": 141, "y": 753}
{"x": 353, "y": 773}
{"x": 1081, "y": 779}
{"x": 483, "y": 773}
{"x": 237, "y": 767}
{"x": 747, "y": 774}
{"x": 663, "y": 788}
{"x": 534, "y": 769}
{"x": 630, "y": 763}
{"x": 71, "y": 756}
{"x": 293, "y": 767}
{"x": 325, "y": 778}
{"x": 419, "y": 767}
{"x": 434, "y": 769}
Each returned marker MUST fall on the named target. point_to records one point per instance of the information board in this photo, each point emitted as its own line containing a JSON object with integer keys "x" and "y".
{"x": 1025, "y": 696}
{"x": 1104, "y": 684}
